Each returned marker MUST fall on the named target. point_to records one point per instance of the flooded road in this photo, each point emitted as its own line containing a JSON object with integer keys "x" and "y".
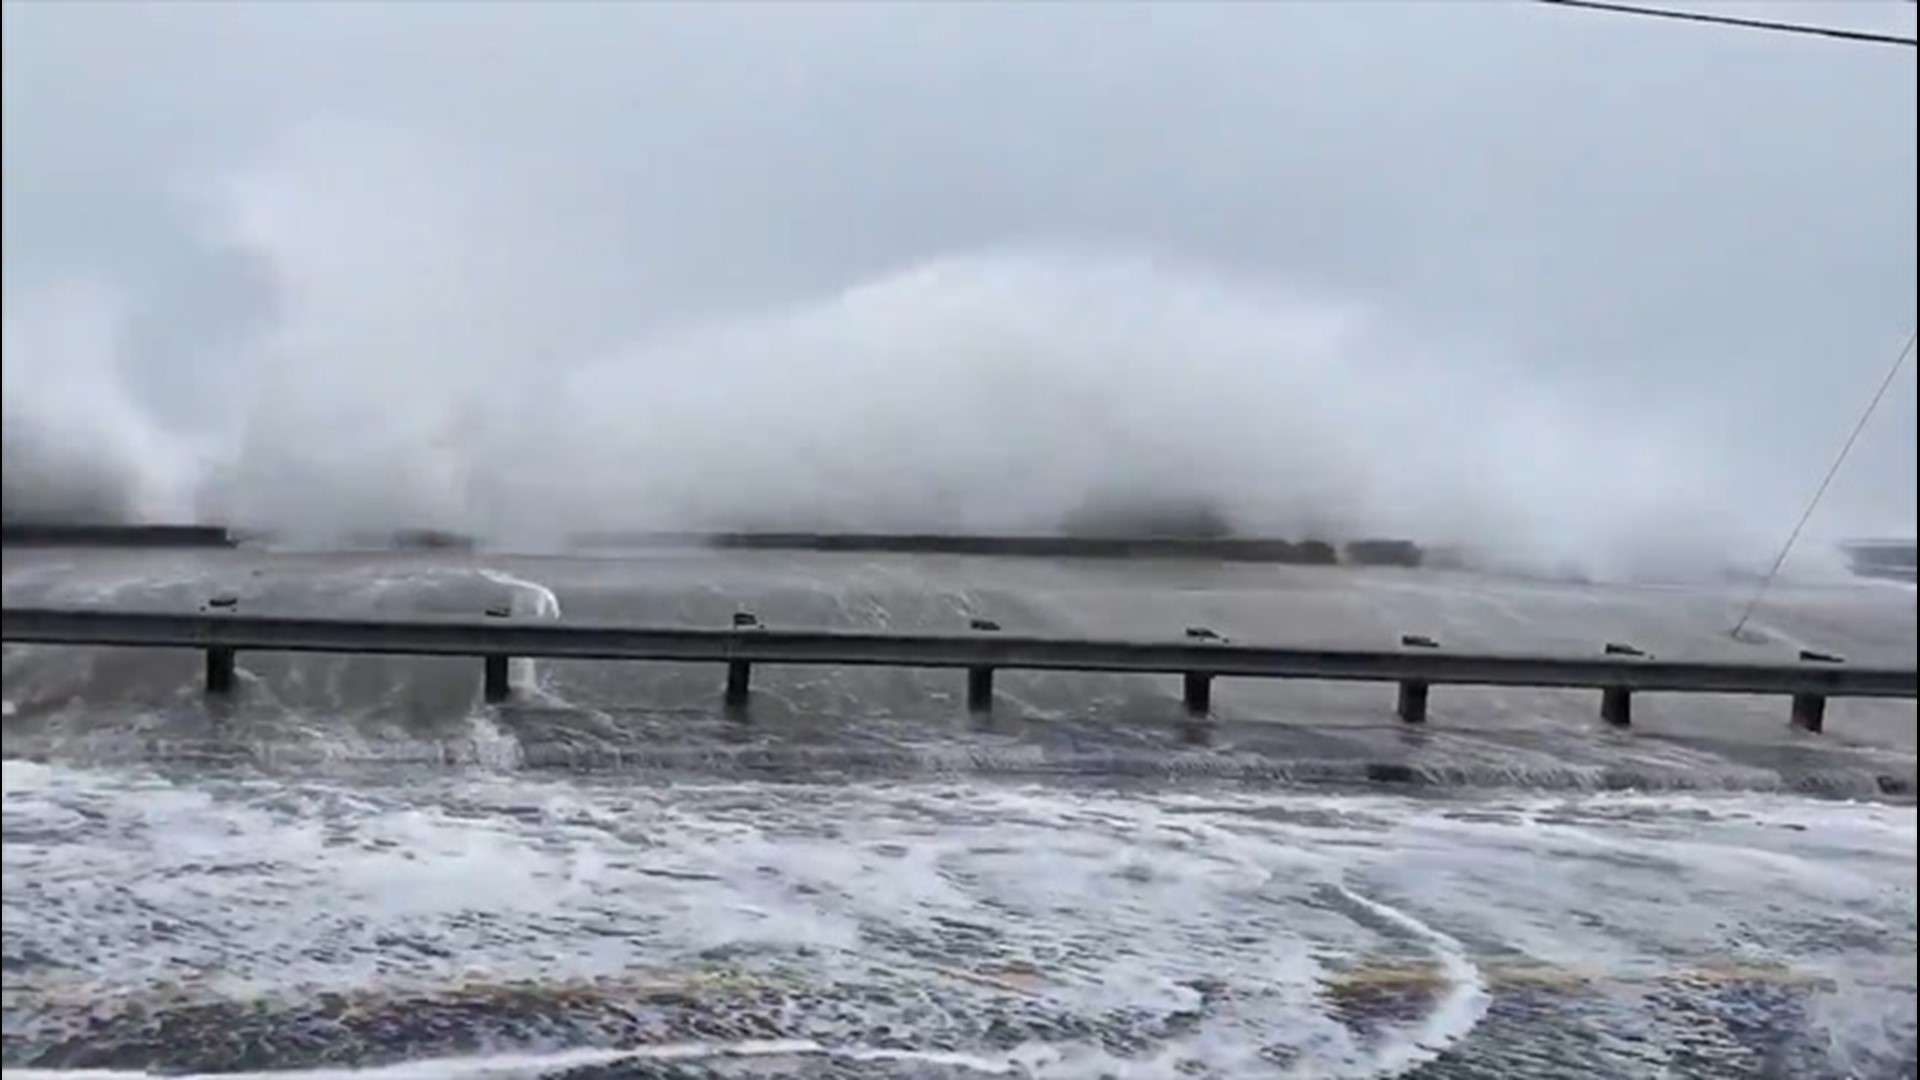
{"x": 357, "y": 865}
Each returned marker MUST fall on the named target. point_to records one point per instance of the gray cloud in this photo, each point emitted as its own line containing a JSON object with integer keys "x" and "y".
{"x": 1606, "y": 276}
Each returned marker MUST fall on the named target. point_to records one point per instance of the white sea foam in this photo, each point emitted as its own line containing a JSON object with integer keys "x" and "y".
{"x": 1095, "y": 903}
{"x": 500, "y": 1066}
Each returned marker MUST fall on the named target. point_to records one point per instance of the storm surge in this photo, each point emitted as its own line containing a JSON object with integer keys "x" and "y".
{"x": 298, "y": 711}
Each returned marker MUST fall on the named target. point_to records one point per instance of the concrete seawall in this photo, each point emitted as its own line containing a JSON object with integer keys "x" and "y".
{"x": 1308, "y": 552}
{"x": 22, "y": 534}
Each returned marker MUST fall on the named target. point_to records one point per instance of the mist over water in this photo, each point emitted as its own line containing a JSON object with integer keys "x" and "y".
{"x": 423, "y": 366}
{"x": 988, "y": 392}
{"x": 76, "y": 447}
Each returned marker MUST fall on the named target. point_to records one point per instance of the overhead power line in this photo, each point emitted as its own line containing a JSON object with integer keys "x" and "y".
{"x": 1846, "y": 448}
{"x": 1733, "y": 20}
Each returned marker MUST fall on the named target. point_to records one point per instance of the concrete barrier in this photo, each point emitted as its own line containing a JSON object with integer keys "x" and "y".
{"x": 26, "y": 534}
{"x": 1891, "y": 559}
{"x": 1404, "y": 553}
{"x": 1220, "y": 549}
{"x": 1278, "y": 550}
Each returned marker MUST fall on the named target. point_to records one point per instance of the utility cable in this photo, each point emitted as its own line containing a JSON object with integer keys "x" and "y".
{"x": 1793, "y": 537}
{"x": 1867, "y": 36}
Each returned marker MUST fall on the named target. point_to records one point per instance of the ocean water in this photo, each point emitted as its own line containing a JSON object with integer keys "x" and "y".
{"x": 356, "y": 867}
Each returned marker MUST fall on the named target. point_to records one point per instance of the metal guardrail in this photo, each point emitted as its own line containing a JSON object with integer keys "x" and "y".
{"x": 1619, "y": 672}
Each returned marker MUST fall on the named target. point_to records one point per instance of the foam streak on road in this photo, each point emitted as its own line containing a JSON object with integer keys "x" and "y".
{"x": 1021, "y": 928}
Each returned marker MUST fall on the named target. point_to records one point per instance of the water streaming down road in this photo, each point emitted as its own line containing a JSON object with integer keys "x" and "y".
{"x": 357, "y": 864}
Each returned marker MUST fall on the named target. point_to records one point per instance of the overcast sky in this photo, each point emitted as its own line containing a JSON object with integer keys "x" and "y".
{"x": 939, "y": 251}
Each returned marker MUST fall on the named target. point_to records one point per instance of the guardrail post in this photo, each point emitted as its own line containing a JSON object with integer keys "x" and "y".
{"x": 739, "y": 683}
{"x": 1412, "y": 706}
{"x": 1413, "y": 702}
{"x": 980, "y": 690}
{"x": 740, "y": 672}
{"x": 980, "y": 679}
{"x": 493, "y": 680}
{"x": 1810, "y": 712}
{"x": 1198, "y": 693}
{"x": 1616, "y": 706}
{"x": 220, "y": 670}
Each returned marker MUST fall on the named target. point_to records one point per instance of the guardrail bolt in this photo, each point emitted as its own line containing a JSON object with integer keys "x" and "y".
{"x": 745, "y": 620}
{"x": 1812, "y": 657}
{"x": 1616, "y": 648}
{"x": 1616, "y": 706}
{"x": 1418, "y": 641}
{"x": 987, "y": 625}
